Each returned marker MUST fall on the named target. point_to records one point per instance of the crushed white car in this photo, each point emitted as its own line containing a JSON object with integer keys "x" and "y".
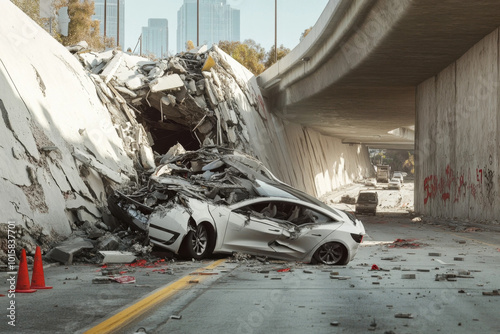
{"x": 205, "y": 202}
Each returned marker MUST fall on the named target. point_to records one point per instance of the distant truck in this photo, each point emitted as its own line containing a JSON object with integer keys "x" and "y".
{"x": 383, "y": 173}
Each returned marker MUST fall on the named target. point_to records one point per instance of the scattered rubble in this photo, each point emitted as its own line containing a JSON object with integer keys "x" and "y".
{"x": 191, "y": 91}
{"x": 405, "y": 243}
{"x": 492, "y": 293}
{"x": 348, "y": 199}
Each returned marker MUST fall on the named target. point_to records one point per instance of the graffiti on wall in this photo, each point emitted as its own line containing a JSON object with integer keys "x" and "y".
{"x": 454, "y": 186}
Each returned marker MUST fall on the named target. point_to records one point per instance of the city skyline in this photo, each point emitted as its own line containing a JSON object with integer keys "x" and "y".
{"x": 256, "y": 19}
{"x": 218, "y": 22}
{"x": 113, "y": 15}
{"x": 155, "y": 37}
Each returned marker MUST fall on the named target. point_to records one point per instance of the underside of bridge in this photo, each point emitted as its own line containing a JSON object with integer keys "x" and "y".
{"x": 354, "y": 76}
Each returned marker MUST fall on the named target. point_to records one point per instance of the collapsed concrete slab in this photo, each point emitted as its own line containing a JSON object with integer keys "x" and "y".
{"x": 59, "y": 142}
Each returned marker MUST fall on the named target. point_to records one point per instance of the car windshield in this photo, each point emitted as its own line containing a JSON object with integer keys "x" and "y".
{"x": 279, "y": 189}
{"x": 364, "y": 197}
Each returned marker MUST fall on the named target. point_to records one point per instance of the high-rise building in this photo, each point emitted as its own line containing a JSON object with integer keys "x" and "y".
{"x": 115, "y": 14}
{"x": 155, "y": 38}
{"x": 218, "y": 22}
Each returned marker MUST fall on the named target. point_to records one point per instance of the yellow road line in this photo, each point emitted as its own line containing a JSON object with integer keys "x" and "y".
{"x": 132, "y": 312}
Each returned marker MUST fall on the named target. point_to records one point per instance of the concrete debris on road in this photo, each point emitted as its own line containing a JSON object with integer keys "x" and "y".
{"x": 405, "y": 243}
{"x": 492, "y": 293}
{"x": 404, "y": 315}
{"x": 348, "y": 199}
{"x": 70, "y": 248}
{"x": 117, "y": 257}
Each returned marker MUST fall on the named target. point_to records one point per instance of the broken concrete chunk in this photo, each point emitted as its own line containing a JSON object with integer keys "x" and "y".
{"x": 112, "y": 67}
{"x": 108, "y": 242}
{"x": 126, "y": 91}
{"x": 408, "y": 276}
{"x": 168, "y": 82}
{"x": 102, "y": 280}
{"x": 147, "y": 157}
{"x": 135, "y": 83}
{"x": 169, "y": 100}
{"x": 175, "y": 66}
{"x": 66, "y": 251}
{"x": 117, "y": 257}
{"x": 80, "y": 46}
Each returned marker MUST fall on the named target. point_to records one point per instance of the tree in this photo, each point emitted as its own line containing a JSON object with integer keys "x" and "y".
{"x": 189, "y": 45}
{"x": 304, "y": 34}
{"x": 249, "y": 54}
{"x": 410, "y": 163}
{"x": 270, "y": 57}
{"x": 32, "y": 9}
{"x": 81, "y": 26}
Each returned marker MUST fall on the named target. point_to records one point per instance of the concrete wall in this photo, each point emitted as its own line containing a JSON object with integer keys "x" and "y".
{"x": 50, "y": 112}
{"x": 457, "y": 137}
{"x": 311, "y": 161}
{"x": 297, "y": 155}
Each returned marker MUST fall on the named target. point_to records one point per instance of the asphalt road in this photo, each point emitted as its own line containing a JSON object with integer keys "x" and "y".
{"x": 245, "y": 295}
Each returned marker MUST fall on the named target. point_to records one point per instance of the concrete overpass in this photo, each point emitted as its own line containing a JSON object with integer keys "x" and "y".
{"x": 355, "y": 74}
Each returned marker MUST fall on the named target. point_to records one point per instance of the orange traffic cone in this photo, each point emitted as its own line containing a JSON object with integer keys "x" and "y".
{"x": 23, "y": 279}
{"x": 38, "y": 279}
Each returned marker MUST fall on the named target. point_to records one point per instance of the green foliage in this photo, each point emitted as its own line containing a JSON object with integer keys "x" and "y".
{"x": 249, "y": 54}
{"x": 271, "y": 55}
{"x": 304, "y": 34}
{"x": 81, "y": 26}
{"x": 32, "y": 9}
{"x": 410, "y": 163}
{"x": 399, "y": 160}
{"x": 189, "y": 45}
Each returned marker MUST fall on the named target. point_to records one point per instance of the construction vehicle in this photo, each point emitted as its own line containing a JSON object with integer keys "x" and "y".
{"x": 383, "y": 173}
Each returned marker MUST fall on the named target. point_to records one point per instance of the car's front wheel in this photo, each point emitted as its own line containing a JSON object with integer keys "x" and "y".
{"x": 198, "y": 243}
{"x": 331, "y": 253}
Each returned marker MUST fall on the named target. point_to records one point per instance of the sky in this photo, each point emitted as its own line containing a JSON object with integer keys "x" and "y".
{"x": 256, "y": 18}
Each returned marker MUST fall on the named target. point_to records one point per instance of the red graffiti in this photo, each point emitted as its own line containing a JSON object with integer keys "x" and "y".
{"x": 453, "y": 185}
{"x": 430, "y": 187}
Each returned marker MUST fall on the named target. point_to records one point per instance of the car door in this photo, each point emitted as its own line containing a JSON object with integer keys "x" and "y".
{"x": 307, "y": 232}
{"x": 248, "y": 230}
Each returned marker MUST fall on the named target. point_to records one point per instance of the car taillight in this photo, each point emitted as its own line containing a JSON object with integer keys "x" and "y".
{"x": 357, "y": 237}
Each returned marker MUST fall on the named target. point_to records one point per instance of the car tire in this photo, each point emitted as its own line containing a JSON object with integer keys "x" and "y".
{"x": 198, "y": 243}
{"x": 331, "y": 253}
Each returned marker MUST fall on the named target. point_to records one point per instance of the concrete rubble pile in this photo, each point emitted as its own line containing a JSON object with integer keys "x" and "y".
{"x": 191, "y": 91}
{"x": 211, "y": 174}
{"x": 73, "y": 134}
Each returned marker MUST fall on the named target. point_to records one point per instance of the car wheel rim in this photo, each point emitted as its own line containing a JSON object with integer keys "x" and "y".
{"x": 330, "y": 253}
{"x": 200, "y": 240}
